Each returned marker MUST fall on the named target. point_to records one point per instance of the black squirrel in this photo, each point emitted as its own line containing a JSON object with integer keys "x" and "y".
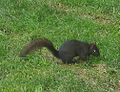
{"x": 67, "y": 51}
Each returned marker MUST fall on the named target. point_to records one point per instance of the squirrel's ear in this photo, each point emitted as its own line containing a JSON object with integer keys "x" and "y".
{"x": 92, "y": 45}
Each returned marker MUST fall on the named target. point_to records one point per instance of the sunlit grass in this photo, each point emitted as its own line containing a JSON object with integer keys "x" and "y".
{"x": 59, "y": 20}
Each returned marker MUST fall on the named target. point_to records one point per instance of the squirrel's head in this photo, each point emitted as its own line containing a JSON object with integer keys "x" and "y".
{"x": 94, "y": 50}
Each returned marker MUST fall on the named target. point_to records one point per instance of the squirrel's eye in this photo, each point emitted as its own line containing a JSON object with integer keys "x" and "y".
{"x": 94, "y": 50}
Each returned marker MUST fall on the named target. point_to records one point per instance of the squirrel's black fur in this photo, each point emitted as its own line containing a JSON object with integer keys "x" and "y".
{"x": 67, "y": 51}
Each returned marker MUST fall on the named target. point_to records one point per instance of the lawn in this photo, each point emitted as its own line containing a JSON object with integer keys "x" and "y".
{"x": 93, "y": 21}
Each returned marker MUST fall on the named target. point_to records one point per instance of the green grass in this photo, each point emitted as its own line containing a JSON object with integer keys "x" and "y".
{"x": 58, "y": 20}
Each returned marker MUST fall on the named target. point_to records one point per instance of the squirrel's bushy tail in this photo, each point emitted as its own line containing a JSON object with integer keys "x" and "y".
{"x": 36, "y": 44}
